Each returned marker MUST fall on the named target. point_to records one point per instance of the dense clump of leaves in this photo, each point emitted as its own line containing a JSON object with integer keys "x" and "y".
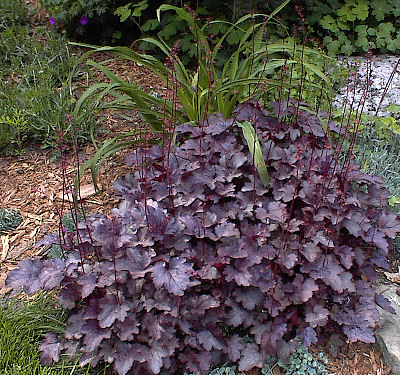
{"x": 9, "y": 219}
{"x": 301, "y": 362}
{"x": 200, "y": 250}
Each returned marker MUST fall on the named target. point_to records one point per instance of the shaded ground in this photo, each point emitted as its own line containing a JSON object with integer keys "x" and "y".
{"x": 30, "y": 184}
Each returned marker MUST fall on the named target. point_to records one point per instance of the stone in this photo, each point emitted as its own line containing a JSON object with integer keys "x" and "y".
{"x": 388, "y": 332}
{"x": 86, "y": 191}
{"x": 382, "y": 67}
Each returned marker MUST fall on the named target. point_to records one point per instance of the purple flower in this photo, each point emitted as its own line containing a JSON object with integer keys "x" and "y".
{"x": 52, "y": 21}
{"x": 84, "y": 20}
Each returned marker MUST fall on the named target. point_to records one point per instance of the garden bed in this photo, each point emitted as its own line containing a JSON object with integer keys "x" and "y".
{"x": 30, "y": 183}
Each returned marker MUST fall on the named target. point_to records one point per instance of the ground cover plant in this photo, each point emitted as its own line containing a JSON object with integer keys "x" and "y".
{"x": 23, "y": 324}
{"x": 202, "y": 251}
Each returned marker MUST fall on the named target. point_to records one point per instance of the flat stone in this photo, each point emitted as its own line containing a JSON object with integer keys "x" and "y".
{"x": 388, "y": 333}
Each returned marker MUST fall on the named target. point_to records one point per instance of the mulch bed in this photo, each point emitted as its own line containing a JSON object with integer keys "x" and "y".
{"x": 31, "y": 182}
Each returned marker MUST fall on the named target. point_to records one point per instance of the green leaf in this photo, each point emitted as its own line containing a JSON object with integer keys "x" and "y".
{"x": 361, "y": 30}
{"x": 234, "y": 37}
{"x": 149, "y": 25}
{"x": 394, "y": 200}
{"x": 347, "y": 49}
{"x": 253, "y": 143}
{"x": 168, "y": 31}
{"x": 123, "y": 12}
{"x": 378, "y": 10}
{"x": 343, "y": 25}
{"x": 393, "y": 108}
{"x": 139, "y": 8}
{"x": 361, "y": 9}
{"x": 329, "y": 23}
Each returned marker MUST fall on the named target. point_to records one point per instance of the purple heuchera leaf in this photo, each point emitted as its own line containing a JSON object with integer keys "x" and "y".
{"x": 26, "y": 275}
{"x": 207, "y": 339}
{"x": 234, "y": 348}
{"x": 135, "y": 261}
{"x": 238, "y": 315}
{"x": 196, "y": 362}
{"x": 303, "y": 289}
{"x": 384, "y": 303}
{"x": 49, "y": 239}
{"x": 202, "y": 303}
{"x": 318, "y": 316}
{"x": 127, "y": 354}
{"x": 88, "y": 283}
{"x": 111, "y": 309}
{"x": 75, "y": 323}
{"x": 50, "y": 349}
{"x": 193, "y": 226}
{"x": 328, "y": 270}
{"x": 249, "y": 297}
{"x": 94, "y": 335}
{"x": 311, "y": 251}
{"x": 155, "y": 357}
{"x": 277, "y": 212}
{"x": 308, "y": 336}
{"x": 251, "y": 357}
{"x": 52, "y": 273}
{"x": 175, "y": 278}
{"x": 240, "y": 277}
{"x": 128, "y": 328}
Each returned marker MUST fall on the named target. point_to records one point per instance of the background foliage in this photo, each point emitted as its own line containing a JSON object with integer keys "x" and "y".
{"x": 343, "y": 26}
{"x": 38, "y": 69}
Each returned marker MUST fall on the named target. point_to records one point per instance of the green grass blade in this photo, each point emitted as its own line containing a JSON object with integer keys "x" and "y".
{"x": 253, "y": 143}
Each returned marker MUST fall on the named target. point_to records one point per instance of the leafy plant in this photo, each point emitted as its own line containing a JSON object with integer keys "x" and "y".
{"x": 91, "y": 20}
{"x": 12, "y": 13}
{"x": 9, "y": 220}
{"x": 248, "y": 73}
{"x": 200, "y": 252}
{"x": 348, "y": 27}
{"x": 132, "y": 11}
{"x": 377, "y": 152}
{"x": 13, "y": 131}
{"x": 23, "y": 323}
{"x": 68, "y": 223}
{"x": 36, "y": 91}
{"x": 301, "y": 362}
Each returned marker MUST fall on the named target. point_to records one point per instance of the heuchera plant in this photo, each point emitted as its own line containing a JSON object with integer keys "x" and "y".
{"x": 200, "y": 252}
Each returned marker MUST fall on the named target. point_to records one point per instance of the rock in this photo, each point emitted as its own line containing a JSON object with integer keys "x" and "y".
{"x": 85, "y": 192}
{"x": 382, "y": 67}
{"x": 388, "y": 333}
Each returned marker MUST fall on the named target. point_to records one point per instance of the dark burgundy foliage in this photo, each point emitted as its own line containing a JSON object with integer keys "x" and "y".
{"x": 199, "y": 251}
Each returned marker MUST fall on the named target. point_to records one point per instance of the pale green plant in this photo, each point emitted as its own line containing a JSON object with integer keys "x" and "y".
{"x": 14, "y": 130}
